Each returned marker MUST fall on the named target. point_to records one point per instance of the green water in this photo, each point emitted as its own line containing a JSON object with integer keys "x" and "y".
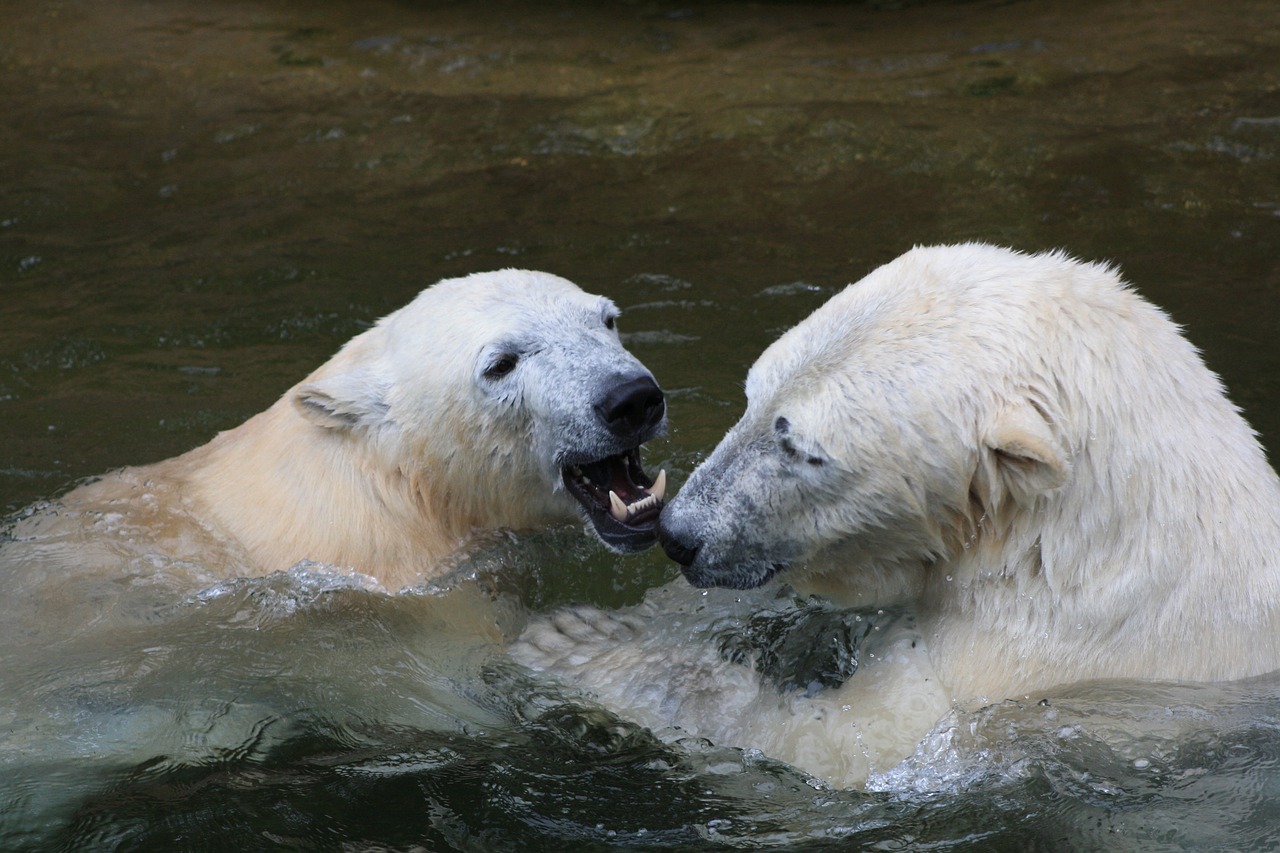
{"x": 199, "y": 202}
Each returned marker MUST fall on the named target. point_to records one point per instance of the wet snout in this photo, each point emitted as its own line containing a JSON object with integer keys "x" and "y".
{"x": 685, "y": 548}
{"x": 632, "y": 408}
{"x": 603, "y": 472}
{"x": 681, "y": 548}
{"x": 715, "y": 530}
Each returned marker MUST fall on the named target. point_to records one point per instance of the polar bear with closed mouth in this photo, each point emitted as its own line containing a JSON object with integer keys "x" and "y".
{"x": 496, "y": 400}
{"x": 1017, "y": 449}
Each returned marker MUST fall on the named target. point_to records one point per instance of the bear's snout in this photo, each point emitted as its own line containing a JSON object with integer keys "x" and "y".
{"x": 682, "y": 551}
{"x": 633, "y": 408}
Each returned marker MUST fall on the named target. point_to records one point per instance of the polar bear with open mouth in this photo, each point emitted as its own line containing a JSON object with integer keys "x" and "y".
{"x": 498, "y": 400}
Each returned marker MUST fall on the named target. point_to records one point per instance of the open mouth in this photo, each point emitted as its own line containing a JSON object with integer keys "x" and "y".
{"x": 620, "y": 499}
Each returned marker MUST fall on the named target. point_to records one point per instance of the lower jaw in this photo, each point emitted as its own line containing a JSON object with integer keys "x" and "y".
{"x": 630, "y": 539}
{"x": 753, "y": 578}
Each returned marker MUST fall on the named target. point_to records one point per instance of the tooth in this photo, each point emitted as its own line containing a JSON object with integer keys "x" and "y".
{"x": 659, "y": 487}
{"x": 617, "y": 508}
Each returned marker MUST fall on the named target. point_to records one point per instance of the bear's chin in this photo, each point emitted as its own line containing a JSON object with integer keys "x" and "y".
{"x": 620, "y": 501}
{"x": 739, "y": 576}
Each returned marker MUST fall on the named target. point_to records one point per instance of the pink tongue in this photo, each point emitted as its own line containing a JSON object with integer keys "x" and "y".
{"x": 621, "y": 483}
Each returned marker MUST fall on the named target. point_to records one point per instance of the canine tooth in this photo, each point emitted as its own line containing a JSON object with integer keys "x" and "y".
{"x": 659, "y": 487}
{"x": 617, "y": 508}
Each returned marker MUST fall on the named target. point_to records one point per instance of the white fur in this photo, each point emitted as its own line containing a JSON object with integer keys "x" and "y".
{"x": 393, "y": 454}
{"x": 1020, "y": 449}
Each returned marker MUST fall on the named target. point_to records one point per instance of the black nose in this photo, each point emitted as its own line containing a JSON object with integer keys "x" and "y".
{"x": 632, "y": 407}
{"x": 682, "y": 552}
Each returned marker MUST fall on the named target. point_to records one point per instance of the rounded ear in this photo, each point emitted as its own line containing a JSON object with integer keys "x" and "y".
{"x": 1024, "y": 455}
{"x": 343, "y": 401}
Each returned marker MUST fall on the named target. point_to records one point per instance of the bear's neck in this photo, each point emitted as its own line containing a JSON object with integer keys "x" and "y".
{"x": 289, "y": 491}
{"x": 1168, "y": 567}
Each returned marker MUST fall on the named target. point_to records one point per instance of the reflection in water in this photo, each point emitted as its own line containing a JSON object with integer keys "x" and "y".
{"x": 200, "y": 203}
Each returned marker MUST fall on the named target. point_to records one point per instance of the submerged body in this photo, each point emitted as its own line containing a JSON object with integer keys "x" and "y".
{"x": 1020, "y": 451}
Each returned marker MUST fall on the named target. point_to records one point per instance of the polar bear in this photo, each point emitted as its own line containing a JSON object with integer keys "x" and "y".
{"x": 1014, "y": 460}
{"x": 497, "y": 400}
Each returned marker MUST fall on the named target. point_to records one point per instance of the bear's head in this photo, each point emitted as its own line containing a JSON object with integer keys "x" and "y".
{"x": 926, "y": 410}
{"x": 501, "y": 399}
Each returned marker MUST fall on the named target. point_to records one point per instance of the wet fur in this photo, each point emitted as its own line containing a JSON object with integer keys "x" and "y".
{"x": 1020, "y": 449}
{"x": 388, "y": 459}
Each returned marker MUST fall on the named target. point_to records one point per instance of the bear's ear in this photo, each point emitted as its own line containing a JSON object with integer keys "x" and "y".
{"x": 1026, "y": 456}
{"x": 343, "y": 401}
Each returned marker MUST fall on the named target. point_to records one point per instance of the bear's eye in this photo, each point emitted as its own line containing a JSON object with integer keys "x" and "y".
{"x": 795, "y": 454}
{"x": 783, "y": 426}
{"x": 501, "y": 366}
